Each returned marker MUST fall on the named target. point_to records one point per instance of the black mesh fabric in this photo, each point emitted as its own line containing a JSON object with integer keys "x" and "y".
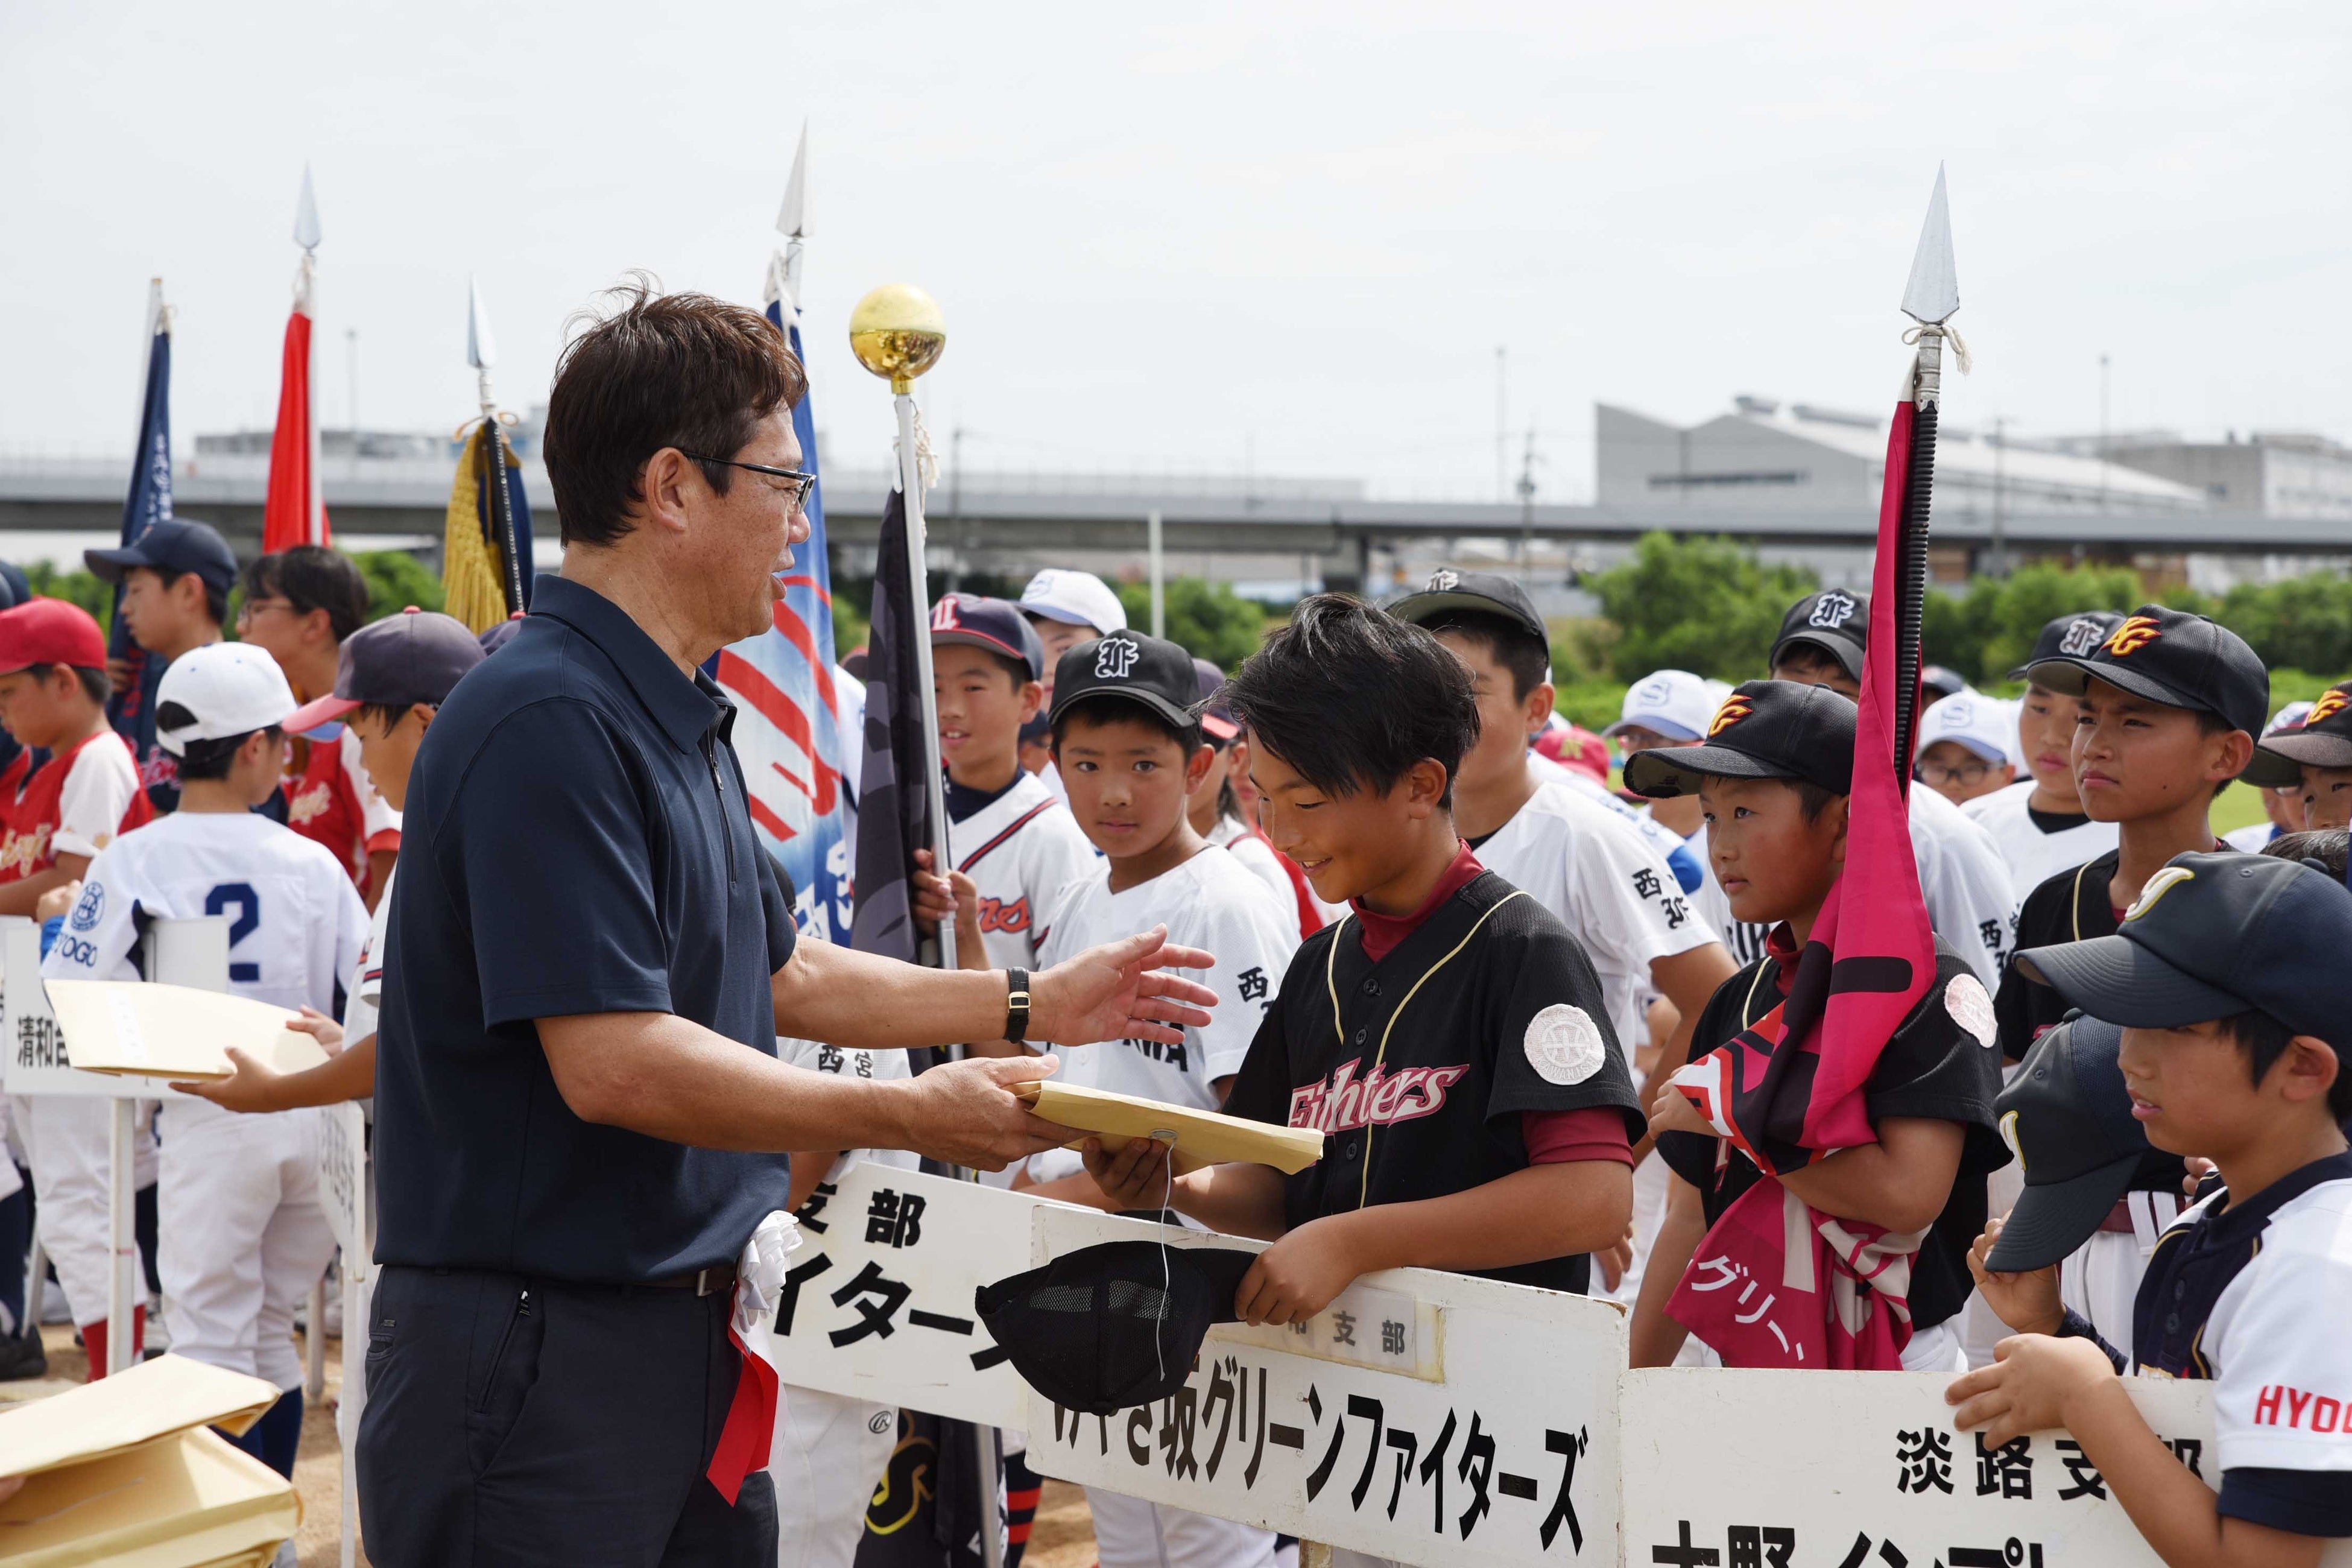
{"x": 1097, "y": 1332}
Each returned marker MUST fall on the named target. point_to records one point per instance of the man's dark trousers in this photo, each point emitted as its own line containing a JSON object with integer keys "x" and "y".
{"x": 512, "y": 1421}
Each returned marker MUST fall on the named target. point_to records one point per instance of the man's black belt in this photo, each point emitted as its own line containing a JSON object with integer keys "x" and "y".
{"x": 707, "y": 1281}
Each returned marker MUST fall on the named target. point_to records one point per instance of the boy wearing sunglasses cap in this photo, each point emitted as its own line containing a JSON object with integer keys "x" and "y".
{"x": 2228, "y": 979}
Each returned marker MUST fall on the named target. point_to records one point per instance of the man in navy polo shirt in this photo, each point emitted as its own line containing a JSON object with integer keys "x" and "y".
{"x": 573, "y": 1142}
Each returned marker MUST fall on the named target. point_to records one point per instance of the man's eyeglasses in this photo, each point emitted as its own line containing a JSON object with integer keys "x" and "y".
{"x": 802, "y": 483}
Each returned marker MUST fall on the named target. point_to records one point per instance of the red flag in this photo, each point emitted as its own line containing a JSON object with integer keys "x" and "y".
{"x": 1789, "y": 1091}
{"x": 294, "y": 513}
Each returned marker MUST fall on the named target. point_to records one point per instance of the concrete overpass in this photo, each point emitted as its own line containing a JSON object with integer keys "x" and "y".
{"x": 998, "y": 521}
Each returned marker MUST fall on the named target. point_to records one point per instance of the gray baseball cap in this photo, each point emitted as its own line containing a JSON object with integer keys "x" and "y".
{"x": 415, "y": 655}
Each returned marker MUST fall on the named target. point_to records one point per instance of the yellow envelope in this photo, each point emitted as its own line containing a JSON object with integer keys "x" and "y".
{"x": 133, "y": 1028}
{"x": 1202, "y": 1137}
{"x": 125, "y": 1471}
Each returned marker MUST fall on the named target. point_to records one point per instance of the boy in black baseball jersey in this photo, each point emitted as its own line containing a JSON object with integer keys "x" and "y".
{"x": 1774, "y": 776}
{"x": 1447, "y": 1033}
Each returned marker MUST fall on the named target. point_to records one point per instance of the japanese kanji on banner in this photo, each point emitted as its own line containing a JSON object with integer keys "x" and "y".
{"x": 1433, "y": 1418}
{"x": 877, "y": 1300}
{"x": 1862, "y": 1469}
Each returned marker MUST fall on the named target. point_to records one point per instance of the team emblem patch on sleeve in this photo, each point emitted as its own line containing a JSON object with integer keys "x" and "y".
{"x": 1563, "y": 1045}
{"x": 88, "y": 907}
{"x": 1970, "y": 1008}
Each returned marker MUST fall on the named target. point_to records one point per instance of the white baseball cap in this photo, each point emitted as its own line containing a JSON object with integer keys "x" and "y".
{"x": 1985, "y": 725}
{"x": 232, "y": 687}
{"x": 1075, "y": 598}
{"x": 1673, "y": 702}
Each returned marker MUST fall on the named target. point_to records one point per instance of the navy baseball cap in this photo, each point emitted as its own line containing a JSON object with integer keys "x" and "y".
{"x": 416, "y": 656}
{"x": 174, "y": 547}
{"x": 2069, "y": 637}
{"x": 1147, "y": 671}
{"x": 1488, "y": 592}
{"x": 15, "y": 587}
{"x": 1115, "y": 1325}
{"x": 971, "y": 620}
{"x": 2214, "y": 935}
{"x": 1835, "y": 620}
{"x": 2068, "y": 1118}
{"x": 1765, "y": 729}
{"x": 2322, "y": 739}
{"x": 2173, "y": 658}
{"x": 1217, "y": 721}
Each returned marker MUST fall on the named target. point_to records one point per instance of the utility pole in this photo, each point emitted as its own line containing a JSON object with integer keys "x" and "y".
{"x": 351, "y": 370}
{"x": 2103, "y": 432}
{"x": 1999, "y": 458}
{"x": 1502, "y": 430}
{"x": 955, "y": 508}
{"x": 1527, "y": 498}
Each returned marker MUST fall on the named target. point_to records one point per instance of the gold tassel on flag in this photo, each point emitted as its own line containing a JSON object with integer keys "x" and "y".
{"x": 471, "y": 572}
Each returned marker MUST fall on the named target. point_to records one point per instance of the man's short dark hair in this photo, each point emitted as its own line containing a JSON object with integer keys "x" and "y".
{"x": 215, "y": 599}
{"x": 94, "y": 684}
{"x": 662, "y": 370}
{"x": 312, "y": 577}
{"x": 1507, "y": 643}
{"x": 1351, "y": 698}
{"x": 1111, "y": 710}
{"x": 2264, "y": 1039}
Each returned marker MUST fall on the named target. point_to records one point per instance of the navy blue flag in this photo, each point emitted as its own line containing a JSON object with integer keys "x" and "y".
{"x": 894, "y": 809}
{"x": 132, "y": 710}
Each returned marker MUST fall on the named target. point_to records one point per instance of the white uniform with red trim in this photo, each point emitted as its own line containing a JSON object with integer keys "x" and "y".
{"x": 1018, "y": 849}
{"x": 828, "y": 1450}
{"x": 243, "y": 1234}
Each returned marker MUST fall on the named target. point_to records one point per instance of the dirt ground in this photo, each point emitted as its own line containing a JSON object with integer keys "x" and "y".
{"x": 1062, "y": 1537}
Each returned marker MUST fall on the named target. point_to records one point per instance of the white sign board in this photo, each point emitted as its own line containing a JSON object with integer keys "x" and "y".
{"x": 1424, "y": 1416}
{"x": 877, "y": 1298}
{"x": 1862, "y": 1469}
{"x": 182, "y": 952}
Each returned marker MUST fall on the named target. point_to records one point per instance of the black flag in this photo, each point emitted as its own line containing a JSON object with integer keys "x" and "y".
{"x": 893, "y": 803}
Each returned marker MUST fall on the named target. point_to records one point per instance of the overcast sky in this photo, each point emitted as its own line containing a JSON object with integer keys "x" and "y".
{"x": 1284, "y": 235}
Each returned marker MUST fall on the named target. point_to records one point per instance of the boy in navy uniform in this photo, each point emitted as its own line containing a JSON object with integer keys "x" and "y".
{"x": 1774, "y": 776}
{"x": 2038, "y": 822}
{"x": 2312, "y": 760}
{"x": 2228, "y": 980}
{"x": 1447, "y": 1033}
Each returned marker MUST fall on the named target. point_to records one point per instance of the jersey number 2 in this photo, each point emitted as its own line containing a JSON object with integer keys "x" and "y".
{"x": 247, "y": 904}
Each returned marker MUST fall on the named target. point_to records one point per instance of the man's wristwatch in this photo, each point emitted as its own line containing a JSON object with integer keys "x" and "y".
{"x": 1017, "y": 1005}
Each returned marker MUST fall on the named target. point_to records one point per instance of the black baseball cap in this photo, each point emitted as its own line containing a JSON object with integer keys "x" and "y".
{"x": 1765, "y": 729}
{"x": 2068, "y": 1118}
{"x": 1110, "y": 1327}
{"x": 416, "y": 656}
{"x": 971, "y": 620}
{"x": 173, "y": 547}
{"x": 1217, "y": 721}
{"x": 1835, "y": 620}
{"x": 2173, "y": 658}
{"x": 1942, "y": 681}
{"x": 2214, "y": 935}
{"x": 2069, "y": 637}
{"x": 15, "y": 587}
{"x": 1489, "y": 593}
{"x": 1148, "y": 670}
{"x": 2323, "y": 740}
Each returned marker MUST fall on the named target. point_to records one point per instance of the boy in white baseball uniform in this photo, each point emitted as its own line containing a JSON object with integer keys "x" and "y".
{"x": 1967, "y": 747}
{"x": 1066, "y": 608}
{"x": 1584, "y": 863}
{"x": 244, "y": 1233}
{"x": 2039, "y": 823}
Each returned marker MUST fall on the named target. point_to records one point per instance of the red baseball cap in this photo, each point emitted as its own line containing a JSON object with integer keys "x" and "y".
{"x": 49, "y": 631}
{"x": 1577, "y": 749}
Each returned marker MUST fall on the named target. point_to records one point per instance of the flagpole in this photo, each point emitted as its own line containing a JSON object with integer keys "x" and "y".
{"x": 897, "y": 332}
{"x": 1930, "y": 297}
{"x": 307, "y": 235}
{"x": 482, "y": 354}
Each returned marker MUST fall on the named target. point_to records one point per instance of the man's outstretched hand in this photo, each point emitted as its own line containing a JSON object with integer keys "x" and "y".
{"x": 1121, "y": 990}
{"x": 966, "y": 1114}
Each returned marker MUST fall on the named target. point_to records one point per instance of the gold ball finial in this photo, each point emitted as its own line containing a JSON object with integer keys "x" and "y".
{"x": 897, "y": 332}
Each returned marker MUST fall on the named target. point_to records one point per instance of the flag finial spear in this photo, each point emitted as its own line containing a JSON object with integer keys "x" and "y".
{"x": 1933, "y": 293}
{"x": 481, "y": 349}
{"x": 791, "y": 218}
{"x": 306, "y": 214}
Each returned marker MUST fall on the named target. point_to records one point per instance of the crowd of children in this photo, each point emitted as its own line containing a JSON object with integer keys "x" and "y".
{"x": 1486, "y": 973}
